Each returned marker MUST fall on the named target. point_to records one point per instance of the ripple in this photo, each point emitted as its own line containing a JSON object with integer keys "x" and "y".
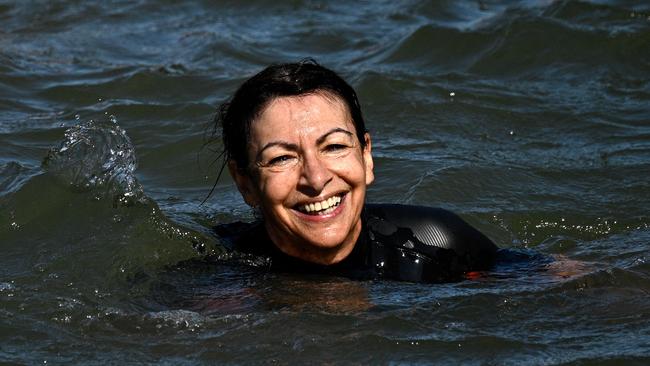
{"x": 13, "y": 175}
{"x": 177, "y": 319}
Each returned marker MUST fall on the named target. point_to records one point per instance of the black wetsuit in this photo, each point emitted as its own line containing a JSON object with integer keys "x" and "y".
{"x": 399, "y": 242}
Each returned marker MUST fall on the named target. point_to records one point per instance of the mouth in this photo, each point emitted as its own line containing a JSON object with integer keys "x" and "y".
{"x": 323, "y": 207}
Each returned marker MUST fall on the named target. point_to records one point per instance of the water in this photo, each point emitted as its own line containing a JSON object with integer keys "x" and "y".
{"x": 529, "y": 119}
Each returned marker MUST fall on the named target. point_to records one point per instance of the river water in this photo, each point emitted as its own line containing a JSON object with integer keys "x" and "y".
{"x": 529, "y": 119}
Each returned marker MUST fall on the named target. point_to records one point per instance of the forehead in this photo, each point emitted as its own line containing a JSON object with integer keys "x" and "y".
{"x": 304, "y": 114}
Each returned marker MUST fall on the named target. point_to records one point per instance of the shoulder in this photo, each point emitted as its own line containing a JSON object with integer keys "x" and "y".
{"x": 428, "y": 229}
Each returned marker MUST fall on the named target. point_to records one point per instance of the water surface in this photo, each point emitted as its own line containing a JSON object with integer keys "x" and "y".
{"x": 531, "y": 120}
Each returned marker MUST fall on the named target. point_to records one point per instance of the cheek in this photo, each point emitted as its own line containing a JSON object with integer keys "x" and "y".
{"x": 276, "y": 188}
{"x": 353, "y": 169}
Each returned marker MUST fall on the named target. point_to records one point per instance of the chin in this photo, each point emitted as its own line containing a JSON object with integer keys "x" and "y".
{"x": 322, "y": 240}
{"x": 325, "y": 244}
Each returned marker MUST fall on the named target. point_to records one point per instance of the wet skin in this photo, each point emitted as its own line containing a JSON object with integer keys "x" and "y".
{"x": 308, "y": 174}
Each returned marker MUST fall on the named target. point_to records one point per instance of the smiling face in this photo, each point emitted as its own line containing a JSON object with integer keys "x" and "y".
{"x": 308, "y": 174}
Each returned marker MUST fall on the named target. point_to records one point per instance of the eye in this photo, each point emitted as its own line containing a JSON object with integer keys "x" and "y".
{"x": 335, "y": 147}
{"x": 280, "y": 160}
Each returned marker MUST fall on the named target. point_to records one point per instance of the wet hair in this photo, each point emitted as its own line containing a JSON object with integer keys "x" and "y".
{"x": 281, "y": 80}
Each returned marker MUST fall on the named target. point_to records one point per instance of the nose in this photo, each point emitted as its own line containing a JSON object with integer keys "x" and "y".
{"x": 315, "y": 175}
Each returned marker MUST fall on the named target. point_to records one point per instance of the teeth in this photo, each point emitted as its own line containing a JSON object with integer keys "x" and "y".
{"x": 325, "y": 206}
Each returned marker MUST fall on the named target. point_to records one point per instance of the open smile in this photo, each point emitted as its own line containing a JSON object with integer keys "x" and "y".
{"x": 323, "y": 207}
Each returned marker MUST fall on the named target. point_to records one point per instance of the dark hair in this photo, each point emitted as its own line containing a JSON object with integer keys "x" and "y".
{"x": 291, "y": 79}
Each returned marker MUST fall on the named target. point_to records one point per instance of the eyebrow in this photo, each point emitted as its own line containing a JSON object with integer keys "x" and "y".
{"x": 294, "y": 147}
{"x": 332, "y": 131}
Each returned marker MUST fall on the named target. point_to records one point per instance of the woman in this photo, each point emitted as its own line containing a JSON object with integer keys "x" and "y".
{"x": 296, "y": 145}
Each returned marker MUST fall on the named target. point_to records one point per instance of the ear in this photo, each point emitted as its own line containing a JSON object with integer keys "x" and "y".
{"x": 367, "y": 159}
{"x": 244, "y": 184}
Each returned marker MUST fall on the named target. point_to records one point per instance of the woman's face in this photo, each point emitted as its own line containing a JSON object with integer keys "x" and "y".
{"x": 308, "y": 174}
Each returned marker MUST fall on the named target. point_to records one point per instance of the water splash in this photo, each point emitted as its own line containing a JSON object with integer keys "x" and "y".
{"x": 97, "y": 156}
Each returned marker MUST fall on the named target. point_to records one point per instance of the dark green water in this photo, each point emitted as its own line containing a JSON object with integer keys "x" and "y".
{"x": 530, "y": 119}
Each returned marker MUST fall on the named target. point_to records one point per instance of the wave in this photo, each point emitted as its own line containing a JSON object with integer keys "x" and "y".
{"x": 522, "y": 40}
